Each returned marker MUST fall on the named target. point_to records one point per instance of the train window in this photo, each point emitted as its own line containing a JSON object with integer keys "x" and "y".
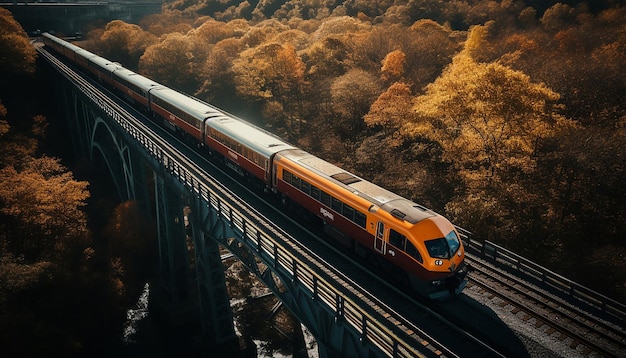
{"x": 325, "y": 198}
{"x": 348, "y": 212}
{"x": 192, "y": 120}
{"x": 336, "y": 205}
{"x": 412, "y": 251}
{"x": 453, "y": 242}
{"x": 438, "y": 248}
{"x": 306, "y": 187}
{"x": 315, "y": 192}
{"x": 287, "y": 176}
{"x": 360, "y": 219}
{"x": 396, "y": 239}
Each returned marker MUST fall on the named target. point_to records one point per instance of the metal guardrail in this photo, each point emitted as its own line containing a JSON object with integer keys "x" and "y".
{"x": 382, "y": 331}
{"x": 497, "y": 252}
{"x": 283, "y": 259}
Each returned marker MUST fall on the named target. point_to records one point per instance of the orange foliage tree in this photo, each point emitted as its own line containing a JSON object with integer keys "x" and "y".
{"x": 273, "y": 74}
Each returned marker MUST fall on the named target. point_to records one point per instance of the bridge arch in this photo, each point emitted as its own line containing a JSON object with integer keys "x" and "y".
{"x": 115, "y": 155}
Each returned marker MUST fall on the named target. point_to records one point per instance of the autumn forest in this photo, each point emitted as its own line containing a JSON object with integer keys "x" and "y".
{"x": 508, "y": 117}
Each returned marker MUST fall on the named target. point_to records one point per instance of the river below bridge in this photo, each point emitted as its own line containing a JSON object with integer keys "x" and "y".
{"x": 144, "y": 334}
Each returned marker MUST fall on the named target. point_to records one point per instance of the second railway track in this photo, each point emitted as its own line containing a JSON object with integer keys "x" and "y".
{"x": 585, "y": 333}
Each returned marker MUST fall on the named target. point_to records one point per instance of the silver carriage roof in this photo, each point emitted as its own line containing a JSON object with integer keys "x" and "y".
{"x": 68, "y": 45}
{"x": 138, "y": 80}
{"x": 249, "y": 135}
{"x": 185, "y": 103}
{"x": 103, "y": 63}
{"x": 390, "y": 202}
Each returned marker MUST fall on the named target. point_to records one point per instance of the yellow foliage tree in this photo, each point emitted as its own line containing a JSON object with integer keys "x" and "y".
{"x": 273, "y": 74}
{"x": 125, "y": 42}
{"x": 269, "y": 71}
{"x": 44, "y": 203}
{"x": 212, "y": 31}
{"x": 487, "y": 118}
{"x": 216, "y": 74}
{"x": 174, "y": 61}
{"x": 327, "y": 57}
{"x": 17, "y": 55}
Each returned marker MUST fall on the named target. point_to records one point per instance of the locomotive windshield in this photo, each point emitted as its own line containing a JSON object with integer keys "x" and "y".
{"x": 443, "y": 248}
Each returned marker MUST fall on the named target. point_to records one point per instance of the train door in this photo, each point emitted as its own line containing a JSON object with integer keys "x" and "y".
{"x": 274, "y": 176}
{"x": 379, "y": 240}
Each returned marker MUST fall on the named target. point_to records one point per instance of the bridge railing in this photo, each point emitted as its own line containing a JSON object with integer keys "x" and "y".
{"x": 497, "y": 252}
{"x": 374, "y": 327}
{"x": 283, "y": 259}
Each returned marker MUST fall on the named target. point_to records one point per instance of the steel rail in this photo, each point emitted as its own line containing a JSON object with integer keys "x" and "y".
{"x": 528, "y": 293}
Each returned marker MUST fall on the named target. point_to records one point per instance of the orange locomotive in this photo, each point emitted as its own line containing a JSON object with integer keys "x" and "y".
{"x": 419, "y": 245}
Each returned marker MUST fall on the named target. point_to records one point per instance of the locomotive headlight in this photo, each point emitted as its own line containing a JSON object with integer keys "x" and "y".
{"x": 438, "y": 262}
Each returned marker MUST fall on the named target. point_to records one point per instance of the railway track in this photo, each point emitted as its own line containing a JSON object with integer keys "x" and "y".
{"x": 582, "y": 331}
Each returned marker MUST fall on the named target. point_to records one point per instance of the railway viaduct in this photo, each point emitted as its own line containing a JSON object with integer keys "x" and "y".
{"x": 195, "y": 215}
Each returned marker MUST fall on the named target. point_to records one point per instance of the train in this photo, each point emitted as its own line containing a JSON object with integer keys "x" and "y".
{"x": 407, "y": 241}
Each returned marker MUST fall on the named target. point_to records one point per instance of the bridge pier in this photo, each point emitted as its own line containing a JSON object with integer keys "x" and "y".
{"x": 192, "y": 289}
{"x": 214, "y": 302}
